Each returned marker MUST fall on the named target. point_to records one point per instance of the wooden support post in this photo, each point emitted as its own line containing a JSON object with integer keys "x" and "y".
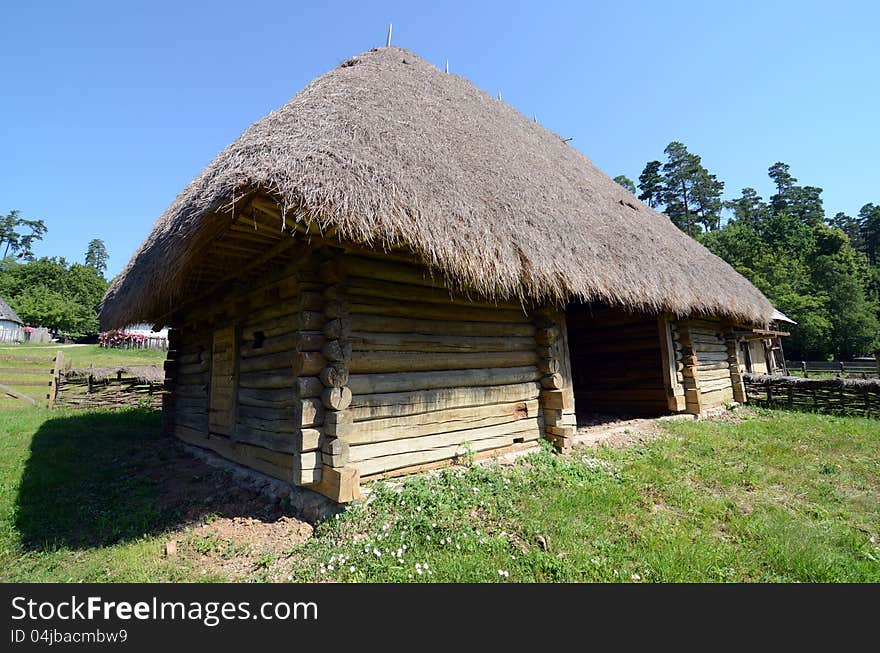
{"x": 56, "y": 377}
{"x": 338, "y": 480}
{"x": 691, "y": 381}
{"x": 557, "y": 393}
{"x": 739, "y": 388}
{"x": 674, "y": 389}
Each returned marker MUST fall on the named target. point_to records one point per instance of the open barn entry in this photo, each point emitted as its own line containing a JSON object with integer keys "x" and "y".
{"x": 617, "y": 362}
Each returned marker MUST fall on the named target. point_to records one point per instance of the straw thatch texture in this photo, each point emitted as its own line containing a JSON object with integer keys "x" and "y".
{"x": 6, "y": 312}
{"x": 394, "y": 152}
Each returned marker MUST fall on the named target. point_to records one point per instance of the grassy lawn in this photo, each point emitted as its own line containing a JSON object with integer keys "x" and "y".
{"x": 775, "y": 496}
{"x": 85, "y": 355}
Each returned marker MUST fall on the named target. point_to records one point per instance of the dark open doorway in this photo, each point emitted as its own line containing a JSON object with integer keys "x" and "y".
{"x": 617, "y": 363}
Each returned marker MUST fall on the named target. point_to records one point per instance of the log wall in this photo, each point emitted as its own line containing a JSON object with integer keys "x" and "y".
{"x": 710, "y": 374}
{"x": 432, "y": 374}
{"x": 245, "y": 399}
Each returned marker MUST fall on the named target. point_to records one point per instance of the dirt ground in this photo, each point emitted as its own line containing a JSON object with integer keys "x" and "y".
{"x": 222, "y": 526}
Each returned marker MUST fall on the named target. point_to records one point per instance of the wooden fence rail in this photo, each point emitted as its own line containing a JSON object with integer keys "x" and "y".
{"x": 828, "y": 395}
{"x": 865, "y": 369}
{"x": 29, "y": 380}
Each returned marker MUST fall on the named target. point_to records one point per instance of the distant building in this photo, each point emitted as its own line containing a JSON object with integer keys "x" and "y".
{"x": 760, "y": 350}
{"x": 10, "y": 324}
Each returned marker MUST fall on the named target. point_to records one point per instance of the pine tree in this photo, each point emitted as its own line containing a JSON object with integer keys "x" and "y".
{"x": 651, "y": 184}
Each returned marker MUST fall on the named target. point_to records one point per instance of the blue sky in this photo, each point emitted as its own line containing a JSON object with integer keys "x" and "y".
{"x": 111, "y": 108}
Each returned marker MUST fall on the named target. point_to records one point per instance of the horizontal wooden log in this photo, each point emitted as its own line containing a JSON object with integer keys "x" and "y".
{"x": 442, "y": 421}
{"x": 408, "y": 381}
{"x": 556, "y": 400}
{"x": 191, "y": 391}
{"x": 307, "y": 363}
{"x": 399, "y": 404}
{"x": 280, "y": 361}
{"x": 365, "y": 323}
{"x": 718, "y": 384}
{"x": 309, "y": 386}
{"x": 274, "y": 328}
{"x": 308, "y": 440}
{"x": 283, "y": 441}
{"x": 271, "y": 414}
{"x": 392, "y": 271}
{"x": 477, "y": 441}
{"x": 312, "y": 413}
{"x": 290, "y": 342}
{"x": 268, "y": 397}
{"x": 414, "y": 342}
{"x": 713, "y": 375}
{"x": 267, "y": 380}
{"x": 717, "y": 398}
{"x": 272, "y": 463}
{"x": 360, "y": 289}
{"x": 421, "y": 310}
{"x": 382, "y": 362}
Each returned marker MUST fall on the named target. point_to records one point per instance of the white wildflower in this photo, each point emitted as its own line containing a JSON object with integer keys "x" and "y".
{"x": 636, "y": 577}
{"x": 351, "y": 569}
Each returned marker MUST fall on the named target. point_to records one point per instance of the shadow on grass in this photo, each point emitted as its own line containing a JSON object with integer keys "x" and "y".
{"x": 98, "y": 478}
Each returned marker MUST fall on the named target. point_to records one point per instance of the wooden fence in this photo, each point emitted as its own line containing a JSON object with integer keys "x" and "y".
{"x": 29, "y": 380}
{"x": 81, "y": 389}
{"x": 828, "y": 395}
{"x": 864, "y": 369}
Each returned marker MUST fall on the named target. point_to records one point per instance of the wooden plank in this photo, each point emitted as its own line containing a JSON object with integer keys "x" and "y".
{"x": 32, "y": 371}
{"x": 399, "y": 404}
{"x": 412, "y": 309}
{"x": 387, "y": 463}
{"x": 527, "y": 446}
{"x": 409, "y": 381}
{"x": 385, "y": 324}
{"x": 16, "y": 394}
{"x": 413, "y": 342}
{"x": 390, "y": 361}
{"x": 18, "y": 383}
{"x": 272, "y": 463}
{"x": 442, "y": 421}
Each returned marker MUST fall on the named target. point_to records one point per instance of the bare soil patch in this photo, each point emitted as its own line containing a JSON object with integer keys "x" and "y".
{"x": 223, "y": 527}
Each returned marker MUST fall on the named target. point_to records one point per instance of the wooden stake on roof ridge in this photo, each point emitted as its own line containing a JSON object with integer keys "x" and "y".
{"x": 447, "y": 66}
{"x": 388, "y": 41}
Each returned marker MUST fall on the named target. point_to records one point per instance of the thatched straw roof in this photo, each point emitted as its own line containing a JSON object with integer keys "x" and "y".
{"x": 394, "y": 152}
{"x": 6, "y": 312}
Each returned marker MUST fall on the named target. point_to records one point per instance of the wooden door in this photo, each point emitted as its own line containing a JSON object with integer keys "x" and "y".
{"x": 224, "y": 381}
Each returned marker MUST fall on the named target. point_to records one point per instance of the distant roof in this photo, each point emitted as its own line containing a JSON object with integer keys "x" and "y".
{"x": 6, "y": 312}
{"x": 779, "y": 316}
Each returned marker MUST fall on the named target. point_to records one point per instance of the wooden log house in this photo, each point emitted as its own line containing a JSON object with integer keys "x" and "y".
{"x": 395, "y": 269}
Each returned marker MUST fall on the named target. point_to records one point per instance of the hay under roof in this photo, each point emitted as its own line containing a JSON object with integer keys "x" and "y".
{"x": 393, "y": 152}
{"x": 7, "y": 314}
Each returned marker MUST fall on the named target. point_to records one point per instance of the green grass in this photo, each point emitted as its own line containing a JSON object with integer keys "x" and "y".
{"x": 85, "y": 355}
{"x": 777, "y": 497}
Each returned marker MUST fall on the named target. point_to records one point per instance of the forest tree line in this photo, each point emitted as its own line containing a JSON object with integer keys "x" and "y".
{"x": 823, "y": 272}
{"x": 50, "y": 291}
